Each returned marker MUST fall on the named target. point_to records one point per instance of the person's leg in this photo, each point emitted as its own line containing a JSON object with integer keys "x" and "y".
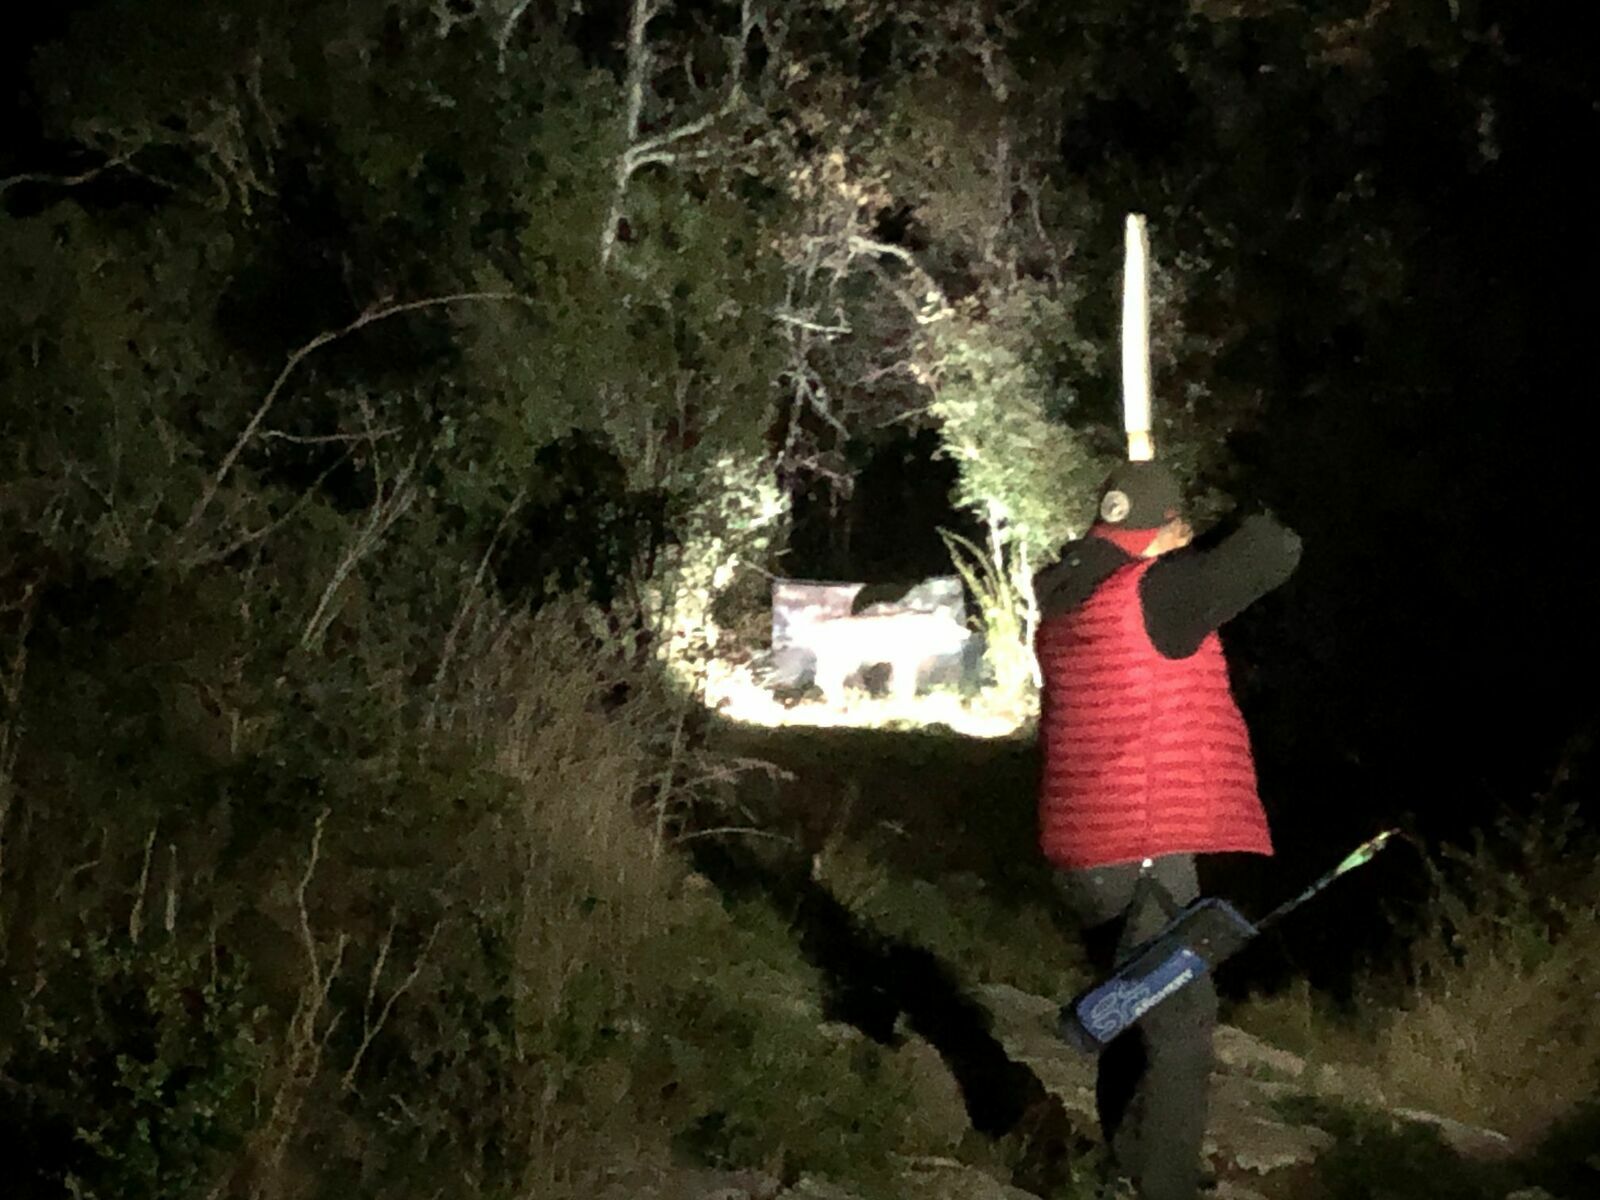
{"x": 1164, "y": 1132}
{"x": 1152, "y": 1083}
{"x": 1099, "y": 899}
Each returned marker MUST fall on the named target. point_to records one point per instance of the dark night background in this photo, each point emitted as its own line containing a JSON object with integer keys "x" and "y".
{"x": 1394, "y": 313}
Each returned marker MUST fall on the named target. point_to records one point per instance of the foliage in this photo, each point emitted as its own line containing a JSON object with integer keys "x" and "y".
{"x": 132, "y": 1071}
{"x": 1375, "y": 1157}
{"x": 287, "y": 386}
{"x": 429, "y": 967}
{"x": 1482, "y": 1020}
{"x": 1503, "y": 963}
{"x": 993, "y": 397}
{"x": 728, "y": 534}
{"x": 1380, "y": 1158}
{"x": 1002, "y": 587}
{"x": 758, "y": 1081}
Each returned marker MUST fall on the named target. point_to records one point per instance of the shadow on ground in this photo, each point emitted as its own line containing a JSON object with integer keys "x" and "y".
{"x": 955, "y": 804}
{"x": 882, "y": 985}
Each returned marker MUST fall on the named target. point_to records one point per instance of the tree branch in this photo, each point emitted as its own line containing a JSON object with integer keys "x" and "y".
{"x": 932, "y": 305}
{"x": 124, "y": 160}
{"x": 799, "y": 322}
{"x": 136, "y": 916}
{"x": 369, "y": 317}
{"x": 385, "y": 511}
{"x": 62, "y": 180}
{"x": 271, "y": 527}
{"x": 639, "y": 151}
{"x": 11, "y": 679}
{"x": 503, "y": 40}
{"x": 464, "y": 609}
{"x": 373, "y": 1019}
{"x": 303, "y": 1047}
{"x": 633, "y": 95}
{"x": 643, "y": 152}
{"x": 865, "y": 245}
{"x": 326, "y": 438}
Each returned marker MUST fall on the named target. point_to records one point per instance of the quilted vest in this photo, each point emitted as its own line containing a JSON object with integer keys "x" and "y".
{"x": 1143, "y": 755}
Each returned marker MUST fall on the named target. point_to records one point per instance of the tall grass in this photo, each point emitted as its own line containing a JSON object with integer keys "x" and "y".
{"x": 588, "y": 869}
{"x": 572, "y": 874}
{"x": 421, "y": 931}
{"x": 1000, "y": 588}
{"x": 396, "y": 952}
{"x": 1497, "y": 1027}
{"x": 1490, "y": 1019}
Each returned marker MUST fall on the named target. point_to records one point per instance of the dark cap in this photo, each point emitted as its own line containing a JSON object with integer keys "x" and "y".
{"x": 1140, "y": 495}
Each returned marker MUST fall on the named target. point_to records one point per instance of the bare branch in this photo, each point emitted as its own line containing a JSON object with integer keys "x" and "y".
{"x": 325, "y": 439}
{"x": 64, "y": 180}
{"x": 633, "y": 97}
{"x": 372, "y": 1024}
{"x": 136, "y": 917}
{"x": 669, "y": 158}
{"x": 170, "y": 918}
{"x": 899, "y": 365}
{"x": 385, "y": 511}
{"x": 11, "y": 719}
{"x": 817, "y": 397}
{"x": 303, "y": 1045}
{"x": 727, "y": 829}
{"x": 307, "y": 940}
{"x": 73, "y": 471}
{"x": 688, "y": 75}
{"x": 369, "y": 317}
{"x": 502, "y": 40}
{"x": 864, "y": 245}
{"x": 465, "y": 607}
{"x": 635, "y": 153}
{"x": 789, "y": 318}
{"x": 641, "y": 152}
{"x": 267, "y": 530}
{"x": 927, "y": 307}
{"x": 364, "y": 403}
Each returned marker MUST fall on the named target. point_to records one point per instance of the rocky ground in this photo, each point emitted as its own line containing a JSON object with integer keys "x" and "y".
{"x": 959, "y": 810}
{"x": 1255, "y": 1150}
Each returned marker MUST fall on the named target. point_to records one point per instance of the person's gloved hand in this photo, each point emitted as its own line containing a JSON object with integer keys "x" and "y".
{"x": 1274, "y": 539}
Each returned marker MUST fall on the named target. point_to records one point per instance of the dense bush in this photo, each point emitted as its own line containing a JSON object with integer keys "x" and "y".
{"x": 130, "y": 1070}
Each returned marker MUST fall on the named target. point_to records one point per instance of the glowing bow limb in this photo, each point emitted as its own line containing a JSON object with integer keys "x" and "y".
{"x": 1136, "y": 339}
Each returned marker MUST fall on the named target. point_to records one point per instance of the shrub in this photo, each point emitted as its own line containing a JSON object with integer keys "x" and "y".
{"x": 1487, "y": 1022}
{"x": 1003, "y": 591}
{"x": 132, "y": 1071}
{"x": 1504, "y": 973}
{"x": 756, "y": 1079}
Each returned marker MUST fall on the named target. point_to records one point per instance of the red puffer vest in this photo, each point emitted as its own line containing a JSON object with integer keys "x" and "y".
{"x": 1143, "y": 755}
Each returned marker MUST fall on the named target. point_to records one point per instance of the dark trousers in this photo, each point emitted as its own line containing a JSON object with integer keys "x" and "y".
{"x": 1154, "y": 1080}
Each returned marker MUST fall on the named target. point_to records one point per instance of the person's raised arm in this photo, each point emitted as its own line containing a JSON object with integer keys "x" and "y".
{"x": 1190, "y": 593}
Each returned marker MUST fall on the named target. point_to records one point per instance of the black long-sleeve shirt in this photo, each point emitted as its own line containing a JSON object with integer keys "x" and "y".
{"x": 1186, "y": 594}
